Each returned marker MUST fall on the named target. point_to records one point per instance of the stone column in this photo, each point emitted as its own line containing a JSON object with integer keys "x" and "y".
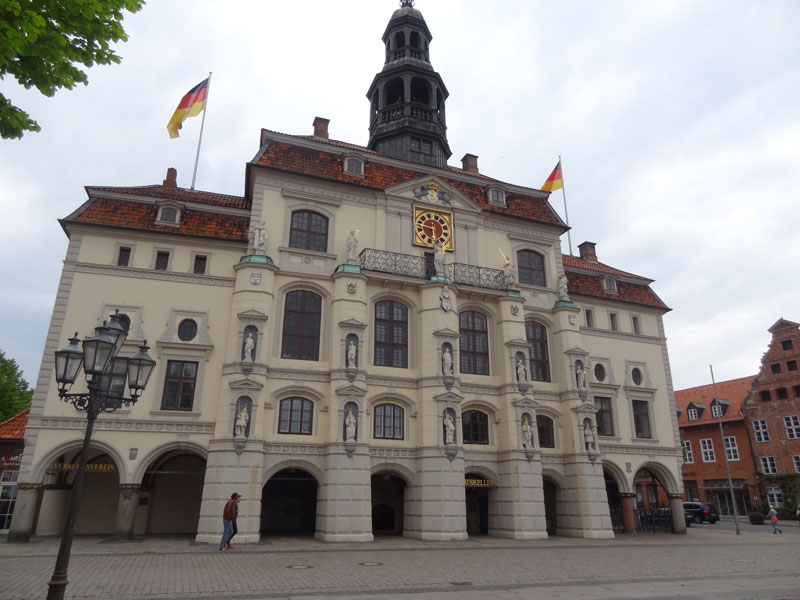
{"x": 436, "y": 504}
{"x": 24, "y": 512}
{"x": 126, "y": 510}
{"x": 628, "y": 518}
{"x": 344, "y": 501}
{"x": 583, "y": 501}
{"x": 519, "y": 499}
{"x": 678, "y": 518}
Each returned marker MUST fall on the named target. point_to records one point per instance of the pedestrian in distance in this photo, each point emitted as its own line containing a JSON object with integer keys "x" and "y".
{"x": 773, "y": 518}
{"x": 229, "y": 515}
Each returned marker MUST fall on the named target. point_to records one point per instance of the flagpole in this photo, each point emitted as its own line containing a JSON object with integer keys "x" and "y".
{"x": 202, "y": 123}
{"x": 564, "y": 194}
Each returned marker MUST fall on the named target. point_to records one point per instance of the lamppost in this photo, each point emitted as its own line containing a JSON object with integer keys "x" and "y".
{"x": 105, "y": 373}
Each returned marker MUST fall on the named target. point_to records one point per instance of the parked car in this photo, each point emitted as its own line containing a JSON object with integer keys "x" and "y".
{"x": 689, "y": 518}
{"x": 701, "y": 512}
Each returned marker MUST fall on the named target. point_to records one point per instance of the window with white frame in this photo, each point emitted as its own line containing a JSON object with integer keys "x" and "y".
{"x": 716, "y": 411}
{"x": 354, "y": 166}
{"x": 609, "y": 285}
{"x": 692, "y": 414}
{"x": 760, "y": 430}
{"x": 687, "y": 452}
{"x": 792, "y": 424}
{"x": 731, "y": 448}
{"x": 707, "y": 447}
{"x": 775, "y": 497}
{"x": 768, "y": 465}
{"x": 796, "y": 461}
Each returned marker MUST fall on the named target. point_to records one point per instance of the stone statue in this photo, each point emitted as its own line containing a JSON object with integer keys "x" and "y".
{"x": 509, "y": 277}
{"x": 588, "y": 436}
{"x": 522, "y": 374}
{"x": 580, "y": 377}
{"x": 445, "y": 300}
{"x": 260, "y": 236}
{"x": 249, "y": 347}
{"x": 447, "y": 361}
{"x": 562, "y": 288}
{"x": 241, "y": 422}
{"x": 352, "y": 247}
{"x": 527, "y": 434}
{"x": 438, "y": 258}
{"x": 350, "y": 426}
{"x": 449, "y": 428}
{"x": 351, "y": 355}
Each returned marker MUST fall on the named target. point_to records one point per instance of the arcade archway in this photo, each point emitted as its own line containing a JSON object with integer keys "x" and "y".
{"x": 550, "y": 489}
{"x": 477, "y": 490}
{"x": 289, "y": 503}
{"x": 172, "y": 490}
{"x": 388, "y": 502}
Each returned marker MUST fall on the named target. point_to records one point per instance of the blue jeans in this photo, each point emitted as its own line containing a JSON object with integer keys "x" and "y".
{"x": 775, "y": 528}
{"x": 227, "y": 533}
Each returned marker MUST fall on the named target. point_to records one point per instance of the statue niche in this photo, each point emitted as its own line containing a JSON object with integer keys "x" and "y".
{"x": 249, "y": 343}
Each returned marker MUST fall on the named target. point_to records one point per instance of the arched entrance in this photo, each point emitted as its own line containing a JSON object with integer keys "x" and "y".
{"x": 550, "y": 489}
{"x": 651, "y": 503}
{"x": 97, "y": 509}
{"x": 388, "y": 498}
{"x": 289, "y": 503}
{"x": 476, "y": 490}
{"x": 615, "y": 503}
{"x": 172, "y": 490}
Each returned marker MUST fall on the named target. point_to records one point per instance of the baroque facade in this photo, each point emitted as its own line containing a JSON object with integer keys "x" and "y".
{"x": 368, "y": 341}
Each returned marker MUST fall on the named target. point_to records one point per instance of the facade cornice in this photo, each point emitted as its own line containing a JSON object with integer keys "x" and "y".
{"x": 116, "y": 271}
{"x": 180, "y": 424}
{"x": 640, "y": 450}
{"x": 620, "y": 335}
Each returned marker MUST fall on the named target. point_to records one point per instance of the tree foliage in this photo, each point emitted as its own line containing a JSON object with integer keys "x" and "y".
{"x": 15, "y": 395}
{"x": 44, "y": 43}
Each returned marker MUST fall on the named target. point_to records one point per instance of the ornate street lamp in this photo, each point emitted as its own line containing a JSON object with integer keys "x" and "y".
{"x": 97, "y": 358}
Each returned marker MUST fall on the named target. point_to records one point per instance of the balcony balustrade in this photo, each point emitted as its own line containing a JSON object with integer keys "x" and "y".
{"x": 406, "y": 265}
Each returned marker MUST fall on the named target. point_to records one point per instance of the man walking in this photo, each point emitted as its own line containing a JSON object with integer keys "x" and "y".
{"x": 773, "y": 517}
{"x": 229, "y": 515}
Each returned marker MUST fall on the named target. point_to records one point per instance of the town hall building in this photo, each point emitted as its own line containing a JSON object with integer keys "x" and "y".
{"x": 368, "y": 341}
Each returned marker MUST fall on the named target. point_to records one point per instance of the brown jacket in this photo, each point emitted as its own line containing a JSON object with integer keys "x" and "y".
{"x": 229, "y": 512}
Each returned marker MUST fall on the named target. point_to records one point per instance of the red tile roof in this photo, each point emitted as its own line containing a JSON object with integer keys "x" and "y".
{"x": 314, "y": 162}
{"x": 586, "y": 285}
{"x": 577, "y": 262}
{"x": 141, "y": 216}
{"x": 14, "y": 428}
{"x": 734, "y": 391}
{"x": 178, "y": 194}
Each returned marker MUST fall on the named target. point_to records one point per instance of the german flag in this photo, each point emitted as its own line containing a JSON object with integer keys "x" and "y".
{"x": 555, "y": 181}
{"x": 190, "y": 105}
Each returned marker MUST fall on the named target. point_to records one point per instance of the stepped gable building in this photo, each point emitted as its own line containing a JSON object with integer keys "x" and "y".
{"x": 773, "y": 411}
{"x": 369, "y": 341}
{"x": 705, "y": 476}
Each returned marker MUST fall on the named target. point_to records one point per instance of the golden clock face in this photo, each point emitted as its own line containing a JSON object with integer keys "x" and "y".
{"x": 431, "y": 226}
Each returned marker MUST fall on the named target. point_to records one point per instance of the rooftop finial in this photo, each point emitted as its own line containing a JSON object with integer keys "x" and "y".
{"x": 406, "y": 3}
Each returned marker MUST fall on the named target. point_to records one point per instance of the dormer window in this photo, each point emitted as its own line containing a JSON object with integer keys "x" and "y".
{"x": 168, "y": 215}
{"x": 692, "y": 414}
{"x": 719, "y": 407}
{"x": 353, "y": 165}
{"x": 497, "y": 197}
{"x": 609, "y": 285}
{"x": 695, "y": 410}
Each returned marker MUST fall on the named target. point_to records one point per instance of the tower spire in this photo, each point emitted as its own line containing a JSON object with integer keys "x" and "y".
{"x": 407, "y": 98}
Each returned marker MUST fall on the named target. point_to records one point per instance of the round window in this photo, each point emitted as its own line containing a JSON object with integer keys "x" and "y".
{"x": 187, "y": 330}
{"x": 599, "y": 372}
{"x": 636, "y": 375}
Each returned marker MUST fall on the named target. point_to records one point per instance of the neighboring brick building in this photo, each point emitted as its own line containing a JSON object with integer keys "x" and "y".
{"x": 772, "y": 410}
{"x": 12, "y": 442}
{"x": 705, "y": 477}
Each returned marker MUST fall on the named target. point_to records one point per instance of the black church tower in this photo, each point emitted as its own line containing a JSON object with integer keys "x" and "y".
{"x": 407, "y": 116}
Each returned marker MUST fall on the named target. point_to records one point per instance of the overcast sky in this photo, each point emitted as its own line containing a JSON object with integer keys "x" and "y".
{"x": 677, "y": 123}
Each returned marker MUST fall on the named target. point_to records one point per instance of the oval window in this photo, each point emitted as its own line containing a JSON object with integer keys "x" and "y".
{"x": 636, "y": 375}
{"x": 187, "y": 330}
{"x": 599, "y": 372}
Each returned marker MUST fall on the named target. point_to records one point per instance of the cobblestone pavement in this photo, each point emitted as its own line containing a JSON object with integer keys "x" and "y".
{"x": 704, "y": 564}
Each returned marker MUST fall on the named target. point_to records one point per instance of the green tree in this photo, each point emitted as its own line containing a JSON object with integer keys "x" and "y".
{"x": 43, "y": 42}
{"x": 15, "y": 395}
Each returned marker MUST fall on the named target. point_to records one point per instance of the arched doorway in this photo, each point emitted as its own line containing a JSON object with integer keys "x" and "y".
{"x": 550, "y": 489}
{"x": 289, "y": 503}
{"x": 388, "y": 498}
{"x": 651, "y": 503}
{"x": 476, "y": 490}
{"x": 172, "y": 489}
{"x": 97, "y": 510}
{"x": 615, "y": 504}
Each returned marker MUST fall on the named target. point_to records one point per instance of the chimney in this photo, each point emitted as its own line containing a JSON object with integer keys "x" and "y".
{"x": 587, "y": 251}
{"x": 321, "y": 127}
{"x": 172, "y": 178}
{"x": 470, "y": 163}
